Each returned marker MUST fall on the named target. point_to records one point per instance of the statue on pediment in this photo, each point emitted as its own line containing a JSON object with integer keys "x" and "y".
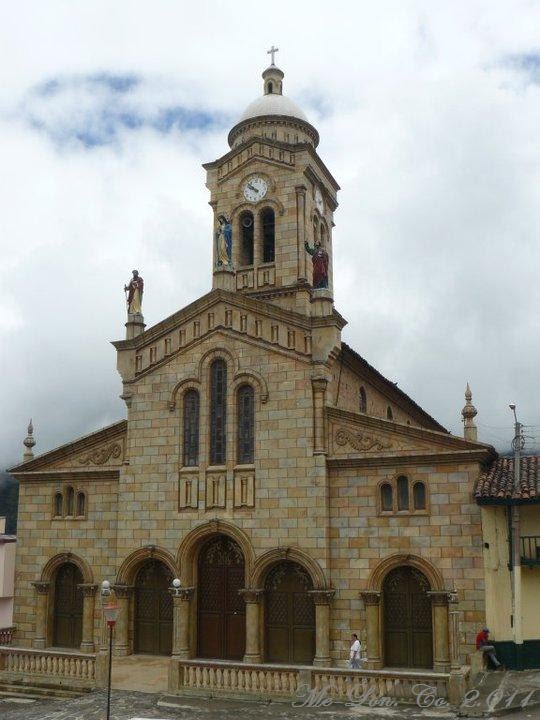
{"x": 319, "y": 257}
{"x": 134, "y": 290}
{"x": 224, "y": 241}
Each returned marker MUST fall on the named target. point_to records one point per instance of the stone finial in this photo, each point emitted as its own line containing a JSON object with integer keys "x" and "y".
{"x": 468, "y": 413}
{"x": 29, "y": 443}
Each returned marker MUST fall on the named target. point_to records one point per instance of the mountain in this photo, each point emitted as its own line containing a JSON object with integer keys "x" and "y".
{"x": 9, "y": 500}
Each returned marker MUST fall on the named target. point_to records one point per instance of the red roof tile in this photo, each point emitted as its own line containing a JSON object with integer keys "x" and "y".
{"x": 498, "y": 480}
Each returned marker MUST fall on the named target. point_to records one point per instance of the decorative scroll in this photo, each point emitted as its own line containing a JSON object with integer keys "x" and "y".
{"x": 101, "y": 455}
{"x": 361, "y": 441}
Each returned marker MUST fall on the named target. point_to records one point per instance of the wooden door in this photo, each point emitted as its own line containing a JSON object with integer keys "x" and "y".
{"x": 153, "y": 609}
{"x": 221, "y": 609}
{"x": 408, "y": 634}
{"x": 290, "y": 615}
{"x": 68, "y": 607}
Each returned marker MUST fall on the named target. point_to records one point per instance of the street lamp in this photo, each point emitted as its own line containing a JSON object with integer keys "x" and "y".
{"x": 110, "y": 612}
{"x": 176, "y": 585}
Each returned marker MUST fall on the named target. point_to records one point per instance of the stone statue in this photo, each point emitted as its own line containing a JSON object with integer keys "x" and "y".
{"x": 224, "y": 241}
{"x": 134, "y": 291}
{"x": 319, "y": 257}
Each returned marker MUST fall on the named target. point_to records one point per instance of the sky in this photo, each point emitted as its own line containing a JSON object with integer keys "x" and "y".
{"x": 428, "y": 114}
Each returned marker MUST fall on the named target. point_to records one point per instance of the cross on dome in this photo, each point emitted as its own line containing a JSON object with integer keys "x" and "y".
{"x": 273, "y": 50}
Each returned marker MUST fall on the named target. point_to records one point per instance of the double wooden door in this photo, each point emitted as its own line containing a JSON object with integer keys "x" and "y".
{"x": 68, "y": 607}
{"x": 408, "y": 633}
{"x": 221, "y": 609}
{"x": 290, "y": 615}
{"x": 153, "y": 609}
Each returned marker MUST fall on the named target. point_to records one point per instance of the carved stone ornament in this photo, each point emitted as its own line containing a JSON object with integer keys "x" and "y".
{"x": 123, "y": 591}
{"x": 361, "y": 441}
{"x": 322, "y": 597}
{"x": 88, "y": 590}
{"x": 42, "y": 588}
{"x": 252, "y": 595}
{"x": 182, "y": 593}
{"x": 440, "y": 597}
{"x": 371, "y": 597}
{"x": 102, "y": 455}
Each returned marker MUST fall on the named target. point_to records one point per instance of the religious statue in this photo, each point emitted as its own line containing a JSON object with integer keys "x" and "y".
{"x": 224, "y": 241}
{"x": 134, "y": 291}
{"x": 319, "y": 257}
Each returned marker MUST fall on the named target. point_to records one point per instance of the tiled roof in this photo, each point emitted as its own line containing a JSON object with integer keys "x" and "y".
{"x": 498, "y": 480}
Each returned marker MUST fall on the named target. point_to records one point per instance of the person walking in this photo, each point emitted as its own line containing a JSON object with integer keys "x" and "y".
{"x": 354, "y": 656}
{"x": 482, "y": 643}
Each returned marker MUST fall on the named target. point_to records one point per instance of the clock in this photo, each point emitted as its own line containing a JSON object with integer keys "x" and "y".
{"x": 255, "y": 189}
{"x": 319, "y": 202}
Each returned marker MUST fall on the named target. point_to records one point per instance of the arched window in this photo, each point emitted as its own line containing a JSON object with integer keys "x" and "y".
{"x": 270, "y": 88}
{"x": 70, "y": 501}
{"x": 246, "y": 238}
{"x": 218, "y": 412}
{"x": 419, "y": 496}
{"x": 81, "y": 504}
{"x": 363, "y": 400}
{"x": 191, "y": 428}
{"x": 245, "y": 419}
{"x": 268, "y": 235}
{"x": 403, "y": 492}
{"x": 389, "y": 413}
{"x": 387, "y": 500}
{"x": 58, "y": 504}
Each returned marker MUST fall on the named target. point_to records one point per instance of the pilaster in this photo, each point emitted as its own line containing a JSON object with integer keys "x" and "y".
{"x": 42, "y": 602}
{"x": 322, "y": 600}
{"x": 372, "y": 603}
{"x": 253, "y": 598}
{"x": 89, "y": 597}
{"x": 181, "y": 611}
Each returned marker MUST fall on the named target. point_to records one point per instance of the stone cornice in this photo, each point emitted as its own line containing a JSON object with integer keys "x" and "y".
{"x": 78, "y": 476}
{"x": 87, "y": 442}
{"x": 182, "y": 593}
{"x": 266, "y": 120}
{"x": 371, "y": 597}
{"x": 41, "y": 587}
{"x": 445, "y": 458}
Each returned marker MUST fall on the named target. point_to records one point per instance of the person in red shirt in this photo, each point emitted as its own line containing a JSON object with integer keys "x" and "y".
{"x": 482, "y": 643}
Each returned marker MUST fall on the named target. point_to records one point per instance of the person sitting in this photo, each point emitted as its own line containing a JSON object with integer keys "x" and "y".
{"x": 483, "y": 643}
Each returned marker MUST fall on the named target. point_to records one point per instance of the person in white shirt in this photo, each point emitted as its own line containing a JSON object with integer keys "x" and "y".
{"x": 355, "y": 652}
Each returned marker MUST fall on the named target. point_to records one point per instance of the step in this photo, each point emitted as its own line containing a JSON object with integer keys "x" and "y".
{"x": 40, "y": 691}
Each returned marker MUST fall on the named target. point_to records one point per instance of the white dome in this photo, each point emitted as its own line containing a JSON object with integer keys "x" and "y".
{"x": 273, "y": 104}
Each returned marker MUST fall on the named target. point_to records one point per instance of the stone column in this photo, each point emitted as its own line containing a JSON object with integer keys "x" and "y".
{"x": 42, "y": 602}
{"x": 181, "y": 609}
{"x": 319, "y": 385}
{"x": 121, "y": 631}
{"x": 253, "y": 599}
{"x": 322, "y": 599}
{"x": 372, "y": 603}
{"x": 441, "y": 648}
{"x": 301, "y": 231}
{"x": 89, "y": 594}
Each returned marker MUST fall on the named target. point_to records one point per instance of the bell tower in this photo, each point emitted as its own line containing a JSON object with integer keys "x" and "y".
{"x": 273, "y": 200}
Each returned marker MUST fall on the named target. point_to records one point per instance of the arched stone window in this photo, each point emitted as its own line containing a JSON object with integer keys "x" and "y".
{"x": 246, "y": 425}
{"x": 387, "y": 497}
{"x": 58, "y": 504}
{"x": 389, "y": 413}
{"x": 70, "y": 501}
{"x": 81, "y": 504}
{"x": 268, "y": 223}
{"x": 403, "y": 492}
{"x": 363, "y": 400}
{"x": 191, "y": 429}
{"x": 218, "y": 412}
{"x": 246, "y": 238}
{"x": 270, "y": 88}
{"x": 419, "y": 496}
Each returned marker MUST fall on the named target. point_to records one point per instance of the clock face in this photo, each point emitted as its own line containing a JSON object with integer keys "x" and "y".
{"x": 255, "y": 189}
{"x": 319, "y": 202}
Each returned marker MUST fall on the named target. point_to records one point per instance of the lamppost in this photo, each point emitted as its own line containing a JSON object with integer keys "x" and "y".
{"x": 110, "y": 611}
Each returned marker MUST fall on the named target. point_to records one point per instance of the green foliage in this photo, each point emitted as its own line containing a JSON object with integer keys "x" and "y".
{"x": 9, "y": 501}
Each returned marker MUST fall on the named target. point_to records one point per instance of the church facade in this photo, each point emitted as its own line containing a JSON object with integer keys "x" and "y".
{"x": 297, "y": 494}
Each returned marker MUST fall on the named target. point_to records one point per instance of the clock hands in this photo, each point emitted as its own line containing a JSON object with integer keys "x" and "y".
{"x": 252, "y": 187}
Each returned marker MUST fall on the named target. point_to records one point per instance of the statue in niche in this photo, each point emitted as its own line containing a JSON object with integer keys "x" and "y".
{"x": 319, "y": 257}
{"x": 134, "y": 290}
{"x": 224, "y": 241}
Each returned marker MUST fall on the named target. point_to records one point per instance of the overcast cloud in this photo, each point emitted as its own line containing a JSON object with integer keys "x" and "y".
{"x": 429, "y": 118}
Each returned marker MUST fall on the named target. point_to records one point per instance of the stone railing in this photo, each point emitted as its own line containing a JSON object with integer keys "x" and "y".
{"x": 6, "y": 635}
{"x": 294, "y": 681}
{"x": 64, "y": 667}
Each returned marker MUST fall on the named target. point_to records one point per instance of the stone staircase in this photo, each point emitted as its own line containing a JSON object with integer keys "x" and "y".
{"x": 35, "y": 690}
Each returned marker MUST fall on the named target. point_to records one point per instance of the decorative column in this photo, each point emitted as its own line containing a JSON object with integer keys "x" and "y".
{"x": 301, "y": 231}
{"x": 441, "y": 649}
{"x": 181, "y": 610}
{"x": 122, "y": 594}
{"x": 42, "y": 602}
{"x": 253, "y": 599}
{"x": 322, "y": 599}
{"x": 319, "y": 384}
{"x": 372, "y": 602}
{"x": 89, "y": 594}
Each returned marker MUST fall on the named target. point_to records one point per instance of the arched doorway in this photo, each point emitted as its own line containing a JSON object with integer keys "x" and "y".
{"x": 221, "y": 609}
{"x": 68, "y": 607}
{"x": 408, "y": 631}
{"x": 289, "y": 615}
{"x": 153, "y": 609}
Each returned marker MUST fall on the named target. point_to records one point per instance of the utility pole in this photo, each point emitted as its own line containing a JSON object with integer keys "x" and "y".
{"x": 513, "y": 510}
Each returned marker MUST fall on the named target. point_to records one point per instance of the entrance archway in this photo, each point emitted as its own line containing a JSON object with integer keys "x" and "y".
{"x": 221, "y": 609}
{"x": 68, "y": 607}
{"x": 289, "y": 615}
{"x": 408, "y": 627}
{"x": 153, "y": 609}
